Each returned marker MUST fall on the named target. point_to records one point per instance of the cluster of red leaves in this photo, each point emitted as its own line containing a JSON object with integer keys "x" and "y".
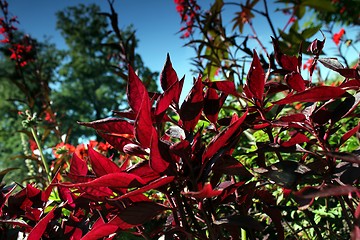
{"x": 188, "y": 10}
{"x": 194, "y": 169}
{"x": 20, "y": 51}
{"x": 177, "y": 160}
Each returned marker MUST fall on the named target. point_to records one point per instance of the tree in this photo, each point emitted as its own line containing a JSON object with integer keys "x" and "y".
{"x": 26, "y": 88}
{"x": 93, "y": 72}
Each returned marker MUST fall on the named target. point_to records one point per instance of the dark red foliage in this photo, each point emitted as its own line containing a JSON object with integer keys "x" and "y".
{"x": 194, "y": 169}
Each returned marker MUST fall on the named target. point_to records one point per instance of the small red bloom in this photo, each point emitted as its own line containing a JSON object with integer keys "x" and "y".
{"x": 337, "y": 36}
{"x": 49, "y": 117}
{"x": 342, "y": 10}
{"x": 33, "y": 145}
{"x": 187, "y": 11}
{"x": 308, "y": 64}
{"x": 63, "y": 148}
{"x": 81, "y": 151}
{"x": 292, "y": 19}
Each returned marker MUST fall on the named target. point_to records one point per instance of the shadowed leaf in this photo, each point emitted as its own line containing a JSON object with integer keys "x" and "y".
{"x": 316, "y": 94}
{"x": 192, "y": 106}
{"x": 140, "y": 212}
{"x": 240, "y": 221}
{"x": 213, "y": 104}
{"x": 326, "y": 191}
{"x": 225, "y": 86}
{"x": 168, "y": 76}
{"x": 288, "y": 63}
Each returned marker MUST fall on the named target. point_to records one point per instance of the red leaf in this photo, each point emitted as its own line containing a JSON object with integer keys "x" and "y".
{"x": 116, "y": 221}
{"x": 143, "y": 170}
{"x": 168, "y": 76}
{"x": 276, "y": 217}
{"x": 295, "y": 81}
{"x": 296, "y": 139}
{"x": 213, "y": 104}
{"x": 327, "y": 191}
{"x": 100, "y": 164}
{"x": 298, "y": 117}
{"x": 288, "y": 63}
{"x": 349, "y": 133}
{"x": 256, "y": 78}
{"x": 229, "y": 165}
{"x": 227, "y": 191}
{"x": 40, "y": 227}
{"x": 165, "y": 99}
{"x": 100, "y": 231}
{"x": 349, "y": 73}
{"x": 179, "y": 90}
{"x": 118, "y": 142}
{"x": 140, "y": 212}
{"x": 206, "y": 192}
{"x": 111, "y": 180}
{"x": 192, "y": 106}
{"x": 222, "y": 138}
{"x": 96, "y": 194}
{"x": 134, "y": 149}
{"x": 157, "y": 162}
{"x": 315, "y": 94}
{"x": 136, "y": 91}
{"x": 130, "y": 114}
{"x": 111, "y": 125}
{"x": 331, "y": 63}
{"x": 78, "y": 166}
{"x": 150, "y": 186}
{"x": 143, "y": 123}
{"x": 225, "y": 86}
{"x": 351, "y": 84}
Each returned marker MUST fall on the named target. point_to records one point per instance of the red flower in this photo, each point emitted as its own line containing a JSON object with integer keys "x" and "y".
{"x": 308, "y": 64}
{"x": 337, "y": 36}
{"x": 33, "y": 145}
{"x": 49, "y": 117}
{"x": 103, "y": 147}
{"x": 81, "y": 151}
{"x": 63, "y": 148}
{"x": 187, "y": 11}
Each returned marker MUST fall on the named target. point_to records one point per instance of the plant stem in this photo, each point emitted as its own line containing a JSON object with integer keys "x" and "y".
{"x": 45, "y": 165}
{"x": 243, "y": 234}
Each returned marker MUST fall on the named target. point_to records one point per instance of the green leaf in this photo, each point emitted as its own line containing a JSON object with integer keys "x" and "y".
{"x": 321, "y": 5}
{"x": 300, "y": 11}
{"x": 311, "y": 31}
{"x": 5, "y": 171}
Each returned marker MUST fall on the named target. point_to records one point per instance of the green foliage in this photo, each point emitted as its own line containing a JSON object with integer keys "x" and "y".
{"x": 87, "y": 77}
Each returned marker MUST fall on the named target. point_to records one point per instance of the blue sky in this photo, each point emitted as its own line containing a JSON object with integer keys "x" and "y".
{"x": 156, "y": 23}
